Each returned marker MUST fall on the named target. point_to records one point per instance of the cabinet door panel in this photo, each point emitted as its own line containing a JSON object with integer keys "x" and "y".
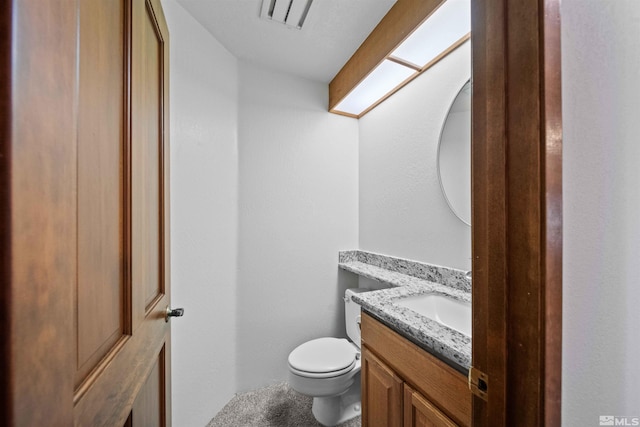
{"x": 419, "y": 412}
{"x": 381, "y": 393}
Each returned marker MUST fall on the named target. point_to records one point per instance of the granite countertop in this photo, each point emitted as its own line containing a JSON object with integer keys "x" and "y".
{"x": 409, "y": 278}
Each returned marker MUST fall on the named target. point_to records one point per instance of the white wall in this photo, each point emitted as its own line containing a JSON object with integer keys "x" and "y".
{"x": 601, "y": 177}
{"x": 298, "y": 207}
{"x": 204, "y": 185}
{"x": 402, "y": 210}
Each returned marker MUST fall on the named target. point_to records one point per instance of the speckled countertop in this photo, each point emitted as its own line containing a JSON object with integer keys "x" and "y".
{"x": 409, "y": 278}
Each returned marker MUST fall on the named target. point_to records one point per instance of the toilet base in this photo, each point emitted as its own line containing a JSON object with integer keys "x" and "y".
{"x": 333, "y": 410}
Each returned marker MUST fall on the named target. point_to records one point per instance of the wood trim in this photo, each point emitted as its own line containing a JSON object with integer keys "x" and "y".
{"x": 388, "y": 95}
{"x": 488, "y": 200}
{"x": 166, "y": 200}
{"x": 153, "y": 10}
{"x": 401, "y": 20}
{"x": 95, "y": 373}
{"x": 403, "y": 62}
{"x": 342, "y": 113}
{"x": 6, "y": 396}
{"x": 517, "y": 217}
{"x": 552, "y": 188}
{"x": 127, "y": 179}
{"x": 446, "y": 52}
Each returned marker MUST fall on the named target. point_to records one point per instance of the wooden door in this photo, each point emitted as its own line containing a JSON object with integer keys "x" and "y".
{"x": 419, "y": 412}
{"x": 381, "y": 393}
{"x": 85, "y": 225}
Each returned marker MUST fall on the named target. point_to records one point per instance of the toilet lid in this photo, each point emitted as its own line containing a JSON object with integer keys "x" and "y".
{"x": 323, "y": 355}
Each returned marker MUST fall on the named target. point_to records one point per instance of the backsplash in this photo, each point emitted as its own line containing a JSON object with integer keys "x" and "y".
{"x": 451, "y": 277}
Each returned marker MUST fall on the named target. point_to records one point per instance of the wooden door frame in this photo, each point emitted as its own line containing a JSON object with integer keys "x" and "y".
{"x": 517, "y": 211}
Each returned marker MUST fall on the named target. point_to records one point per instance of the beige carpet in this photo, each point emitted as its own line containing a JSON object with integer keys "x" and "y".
{"x": 273, "y": 406}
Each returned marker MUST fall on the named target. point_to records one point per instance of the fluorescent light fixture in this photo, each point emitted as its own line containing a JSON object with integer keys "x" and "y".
{"x": 382, "y": 80}
{"x": 448, "y": 24}
{"x": 443, "y": 31}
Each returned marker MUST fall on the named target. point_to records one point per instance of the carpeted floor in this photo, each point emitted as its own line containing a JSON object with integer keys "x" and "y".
{"x": 273, "y": 406}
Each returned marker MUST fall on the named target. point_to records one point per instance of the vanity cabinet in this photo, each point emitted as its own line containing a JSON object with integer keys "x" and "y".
{"x": 405, "y": 386}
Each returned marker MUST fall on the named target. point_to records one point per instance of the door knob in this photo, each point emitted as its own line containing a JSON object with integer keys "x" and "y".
{"x": 176, "y": 312}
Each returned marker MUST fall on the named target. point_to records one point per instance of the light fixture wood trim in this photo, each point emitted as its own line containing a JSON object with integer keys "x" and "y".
{"x": 401, "y": 20}
{"x": 342, "y": 113}
{"x": 403, "y": 62}
{"x": 430, "y": 64}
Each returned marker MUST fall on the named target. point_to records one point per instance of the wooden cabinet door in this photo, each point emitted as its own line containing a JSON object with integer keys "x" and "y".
{"x": 381, "y": 393}
{"x": 85, "y": 217}
{"x": 419, "y": 412}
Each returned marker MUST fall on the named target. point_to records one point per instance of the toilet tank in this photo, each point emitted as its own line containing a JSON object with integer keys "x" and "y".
{"x": 352, "y": 315}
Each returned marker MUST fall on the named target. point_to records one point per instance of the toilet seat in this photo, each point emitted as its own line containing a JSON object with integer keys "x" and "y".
{"x": 323, "y": 358}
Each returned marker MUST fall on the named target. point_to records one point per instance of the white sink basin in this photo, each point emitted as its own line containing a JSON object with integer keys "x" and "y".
{"x": 447, "y": 311}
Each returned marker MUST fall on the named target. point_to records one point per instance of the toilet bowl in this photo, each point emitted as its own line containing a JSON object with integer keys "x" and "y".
{"x": 328, "y": 369}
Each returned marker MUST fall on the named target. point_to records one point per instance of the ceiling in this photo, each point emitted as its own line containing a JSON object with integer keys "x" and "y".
{"x": 332, "y": 32}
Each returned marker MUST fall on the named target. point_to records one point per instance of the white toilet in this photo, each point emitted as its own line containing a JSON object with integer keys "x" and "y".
{"x": 328, "y": 369}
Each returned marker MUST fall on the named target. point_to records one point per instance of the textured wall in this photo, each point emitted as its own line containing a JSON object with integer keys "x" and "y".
{"x": 402, "y": 210}
{"x": 204, "y": 188}
{"x": 298, "y": 207}
{"x": 601, "y": 177}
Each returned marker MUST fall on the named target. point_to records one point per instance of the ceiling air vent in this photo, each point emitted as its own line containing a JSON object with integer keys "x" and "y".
{"x": 291, "y": 13}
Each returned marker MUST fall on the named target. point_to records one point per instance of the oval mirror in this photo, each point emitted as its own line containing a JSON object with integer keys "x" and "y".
{"x": 454, "y": 155}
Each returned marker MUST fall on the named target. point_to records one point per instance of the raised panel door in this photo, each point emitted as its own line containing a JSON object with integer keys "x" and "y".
{"x": 122, "y": 215}
{"x": 84, "y": 228}
{"x": 381, "y": 393}
{"x": 420, "y": 412}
